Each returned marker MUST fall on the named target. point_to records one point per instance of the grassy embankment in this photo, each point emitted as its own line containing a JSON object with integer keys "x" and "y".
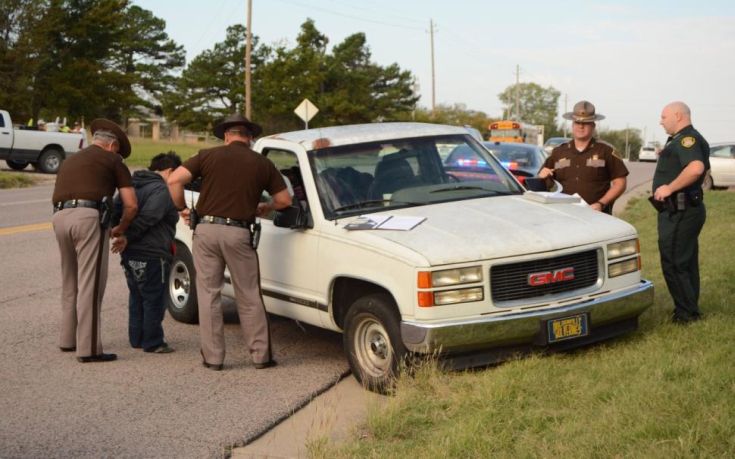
{"x": 664, "y": 391}
{"x": 145, "y": 149}
{"x": 15, "y": 180}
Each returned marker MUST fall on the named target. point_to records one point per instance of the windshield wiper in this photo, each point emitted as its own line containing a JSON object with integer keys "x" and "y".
{"x": 462, "y": 188}
{"x": 375, "y": 202}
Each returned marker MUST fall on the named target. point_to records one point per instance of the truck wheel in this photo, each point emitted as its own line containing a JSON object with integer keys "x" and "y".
{"x": 181, "y": 300}
{"x": 372, "y": 340}
{"x": 16, "y": 165}
{"x": 50, "y": 161}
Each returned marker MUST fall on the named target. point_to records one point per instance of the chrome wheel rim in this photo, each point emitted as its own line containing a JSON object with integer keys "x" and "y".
{"x": 179, "y": 285}
{"x": 373, "y": 350}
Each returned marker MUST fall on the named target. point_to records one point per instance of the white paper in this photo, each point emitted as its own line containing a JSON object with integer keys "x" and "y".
{"x": 384, "y": 222}
{"x": 550, "y": 197}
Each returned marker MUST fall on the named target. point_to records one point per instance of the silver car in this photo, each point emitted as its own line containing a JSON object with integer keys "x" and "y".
{"x": 722, "y": 163}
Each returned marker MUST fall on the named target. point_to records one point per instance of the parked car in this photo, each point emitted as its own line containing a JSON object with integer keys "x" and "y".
{"x": 43, "y": 150}
{"x": 521, "y": 159}
{"x": 472, "y": 269}
{"x": 553, "y": 142}
{"x": 648, "y": 153}
{"x": 722, "y": 163}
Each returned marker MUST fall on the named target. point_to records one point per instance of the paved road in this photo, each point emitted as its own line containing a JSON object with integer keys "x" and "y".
{"x": 142, "y": 405}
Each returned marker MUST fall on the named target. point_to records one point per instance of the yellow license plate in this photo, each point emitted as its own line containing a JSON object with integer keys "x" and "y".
{"x": 567, "y": 328}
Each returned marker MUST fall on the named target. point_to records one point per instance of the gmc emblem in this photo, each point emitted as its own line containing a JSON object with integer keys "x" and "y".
{"x": 551, "y": 277}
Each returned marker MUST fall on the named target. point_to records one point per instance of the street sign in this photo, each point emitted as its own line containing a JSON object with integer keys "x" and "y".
{"x": 306, "y": 111}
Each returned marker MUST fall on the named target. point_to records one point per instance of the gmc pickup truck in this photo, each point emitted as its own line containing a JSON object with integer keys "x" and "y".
{"x": 412, "y": 239}
{"x": 45, "y": 151}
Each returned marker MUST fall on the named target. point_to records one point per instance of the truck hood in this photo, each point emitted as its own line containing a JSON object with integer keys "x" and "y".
{"x": 489, "y": 228}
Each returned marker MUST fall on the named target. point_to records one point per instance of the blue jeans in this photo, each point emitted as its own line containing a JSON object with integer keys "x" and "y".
{"x": 147, "y": 280}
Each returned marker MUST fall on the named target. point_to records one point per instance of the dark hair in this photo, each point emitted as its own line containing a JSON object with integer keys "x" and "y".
{"x": 163, "y": 161}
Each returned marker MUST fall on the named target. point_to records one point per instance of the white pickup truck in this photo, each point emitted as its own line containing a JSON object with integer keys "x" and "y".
{"x": 45, "y": 151}
{"x": 478, "y": 269}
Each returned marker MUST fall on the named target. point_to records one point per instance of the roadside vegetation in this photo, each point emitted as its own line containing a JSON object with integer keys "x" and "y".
{"x": 142, "y": 150}
{"x": 663, "y": 391}
{"x": 15, "y": 180}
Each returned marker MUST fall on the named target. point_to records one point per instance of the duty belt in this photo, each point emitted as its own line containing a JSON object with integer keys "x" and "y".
{"x": 74, "y": 203}
{"x": 224, "y": 221}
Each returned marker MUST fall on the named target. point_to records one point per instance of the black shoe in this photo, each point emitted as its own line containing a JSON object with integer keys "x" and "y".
{"x": 98, "y": 358}
{"x": 68, "y": 349}
{"x": 212, "y": 366}
{"x": 268, "y": 364}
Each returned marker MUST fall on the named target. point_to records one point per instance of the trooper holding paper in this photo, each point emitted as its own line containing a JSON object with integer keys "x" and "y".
{"x": 585, "y": 165}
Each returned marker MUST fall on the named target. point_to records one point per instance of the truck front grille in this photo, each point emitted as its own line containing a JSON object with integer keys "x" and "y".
{"x": 510, "y": 282}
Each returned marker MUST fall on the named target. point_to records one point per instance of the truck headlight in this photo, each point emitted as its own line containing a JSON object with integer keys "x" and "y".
{"x": 446, "y": 277}
{"x": 623, "y": 267}
{"x": 458, "y": 296}
{"x": 623, "y": 249}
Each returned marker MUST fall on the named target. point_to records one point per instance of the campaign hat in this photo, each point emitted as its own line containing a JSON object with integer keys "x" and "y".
{"x": 110, "y": 126}
{"x": 236, "y": 120}
{"x": 583, "y": 112}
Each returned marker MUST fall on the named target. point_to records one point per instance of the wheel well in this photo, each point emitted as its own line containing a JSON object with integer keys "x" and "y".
{"x": 347, "y": 290}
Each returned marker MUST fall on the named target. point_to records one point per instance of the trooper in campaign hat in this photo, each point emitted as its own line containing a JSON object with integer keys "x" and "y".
{"x": 583, "y": 112}
{"x": 585, "y": 165}
{"x": 233, "y": 178}
{"x": 84, "y": 187}
{"x": 111, "y": 129}
{"x": 237, "y": 120}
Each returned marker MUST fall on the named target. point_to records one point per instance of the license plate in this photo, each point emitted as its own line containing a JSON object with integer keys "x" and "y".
{"x": 567, "y": 328}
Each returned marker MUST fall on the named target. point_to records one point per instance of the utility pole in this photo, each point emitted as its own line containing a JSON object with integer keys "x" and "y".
{"x": 518, "y": 93}
{"x": 564, "y": 123}
{"x": 248, "y": 49}
{"x": 433, "y": 78}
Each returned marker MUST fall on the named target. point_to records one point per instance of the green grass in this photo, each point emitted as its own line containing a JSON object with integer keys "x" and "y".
{"x": 15, "y": 180}
{"x": 142, "y": 150}
{"x": 665, "y": 391}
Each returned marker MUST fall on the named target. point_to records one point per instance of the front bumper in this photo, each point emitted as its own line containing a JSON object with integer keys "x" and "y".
{"x": 527, "y": 327}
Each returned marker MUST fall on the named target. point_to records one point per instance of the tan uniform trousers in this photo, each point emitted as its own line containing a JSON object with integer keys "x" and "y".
{"x": 214, "y": 247}
{"x": 83, "y": 278}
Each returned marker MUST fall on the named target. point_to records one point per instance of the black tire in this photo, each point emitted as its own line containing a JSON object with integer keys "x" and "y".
{"x": 16, "y": 165}
{"x": 50, "y": 161}
{"x": 181, "y": 300}
{"x": 707, "y": 183}
{"x": 372, "y": 341}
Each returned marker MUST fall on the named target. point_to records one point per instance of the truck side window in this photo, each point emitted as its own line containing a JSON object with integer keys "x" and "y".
{"x": 288, "y": 165}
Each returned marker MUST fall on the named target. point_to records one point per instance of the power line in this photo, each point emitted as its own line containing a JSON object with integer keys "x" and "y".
{"x": 349, "y": 16}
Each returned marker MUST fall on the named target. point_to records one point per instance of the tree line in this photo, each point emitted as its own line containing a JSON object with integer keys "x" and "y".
{"x": 113, "y": 59}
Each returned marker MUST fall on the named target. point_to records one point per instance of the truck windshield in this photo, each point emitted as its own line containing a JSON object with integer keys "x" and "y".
{"x": 372, "y": 177}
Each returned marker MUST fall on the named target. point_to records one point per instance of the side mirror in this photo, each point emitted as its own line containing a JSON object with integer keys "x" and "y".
{"x": 292, "y": 217}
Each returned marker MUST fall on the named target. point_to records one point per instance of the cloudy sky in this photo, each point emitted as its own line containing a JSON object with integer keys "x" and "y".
{"x": 627, "y": 57}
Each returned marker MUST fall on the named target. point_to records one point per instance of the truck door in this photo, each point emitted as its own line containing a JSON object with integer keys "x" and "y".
{"x": 6, "y": 135}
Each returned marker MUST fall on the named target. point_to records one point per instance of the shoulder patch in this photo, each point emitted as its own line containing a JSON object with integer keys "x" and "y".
{"x": 688, "y": 141}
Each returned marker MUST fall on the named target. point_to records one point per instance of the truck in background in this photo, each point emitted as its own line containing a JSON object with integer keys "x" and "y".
{"x": 43, "y": 150}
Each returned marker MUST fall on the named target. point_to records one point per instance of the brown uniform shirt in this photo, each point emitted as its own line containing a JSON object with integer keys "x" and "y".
{"x": 91, "y": 174}
{"x": 588, "y": 172}
{"x": 233, "y": 180}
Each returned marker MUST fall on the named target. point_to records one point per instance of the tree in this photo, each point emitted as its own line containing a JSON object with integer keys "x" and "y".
{"x": 619, "y": 138}
{"x": 537, "y": 105}
{"x": 457, "y": 114}
{"x": 84, "y": 58}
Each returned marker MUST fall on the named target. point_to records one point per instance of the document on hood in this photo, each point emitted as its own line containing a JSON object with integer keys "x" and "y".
{"x": 384, "y": 222}
{"x": 549, "y": 197}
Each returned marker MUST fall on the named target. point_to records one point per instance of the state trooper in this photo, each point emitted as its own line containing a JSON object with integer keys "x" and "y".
{"x": 586, "y": 166}
{"x": 233, "y": 180}
{"x": 82, "y": 197}
{"x": 677, "y": 181}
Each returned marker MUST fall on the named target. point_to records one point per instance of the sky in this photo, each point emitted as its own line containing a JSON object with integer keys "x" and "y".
{"x": 629, "y": 58}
